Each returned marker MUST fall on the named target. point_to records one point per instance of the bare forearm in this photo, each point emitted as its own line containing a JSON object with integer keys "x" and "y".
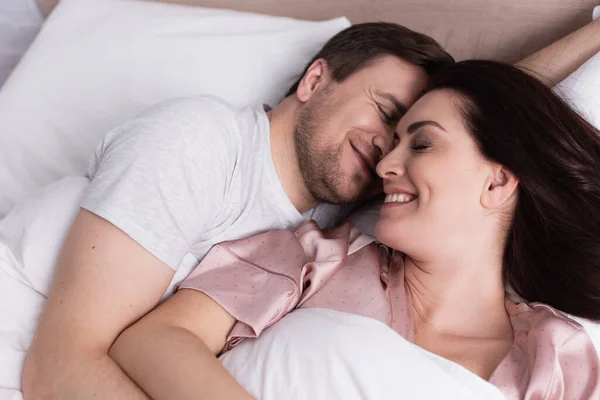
{"x": 557, "y": 61}
{"x": 172, "y": 363}
{"x": 98, "y": 378}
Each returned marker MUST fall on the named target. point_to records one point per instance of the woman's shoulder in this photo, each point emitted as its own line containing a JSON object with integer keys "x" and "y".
{"x": 542, "y": 322}
{"x": 554, "y": 351}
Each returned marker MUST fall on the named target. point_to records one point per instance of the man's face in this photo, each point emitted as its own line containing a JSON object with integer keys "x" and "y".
{"x": 343, "y": 129}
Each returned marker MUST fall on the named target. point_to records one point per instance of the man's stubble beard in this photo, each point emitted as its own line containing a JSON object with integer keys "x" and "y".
{"x": 320, "y": 168}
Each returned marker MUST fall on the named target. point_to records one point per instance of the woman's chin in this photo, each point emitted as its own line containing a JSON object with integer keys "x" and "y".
{"x": 400, "y": 234}
{"x": 388, "y": 233}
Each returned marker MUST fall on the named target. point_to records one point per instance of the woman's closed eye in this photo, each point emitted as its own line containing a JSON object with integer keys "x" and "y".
{"x": 421, "y": 144}
{"x": 420, "y": 147}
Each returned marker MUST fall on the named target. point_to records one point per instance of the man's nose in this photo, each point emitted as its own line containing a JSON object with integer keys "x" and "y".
{"x": 383, "y": 144}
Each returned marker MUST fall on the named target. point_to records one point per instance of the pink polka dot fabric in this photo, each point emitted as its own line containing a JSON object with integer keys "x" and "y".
{"x": 260, "y": 279}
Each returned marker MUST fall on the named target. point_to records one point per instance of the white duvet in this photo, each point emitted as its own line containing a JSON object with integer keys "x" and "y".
{"x": 310, "y": 354}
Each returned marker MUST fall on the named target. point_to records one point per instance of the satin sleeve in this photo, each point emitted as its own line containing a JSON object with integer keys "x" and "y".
{"x": 260, "y": 279}
{"x": 576, "y": 368}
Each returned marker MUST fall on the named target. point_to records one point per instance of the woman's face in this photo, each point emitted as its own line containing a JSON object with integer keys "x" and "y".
{"x": 434, "y": 180}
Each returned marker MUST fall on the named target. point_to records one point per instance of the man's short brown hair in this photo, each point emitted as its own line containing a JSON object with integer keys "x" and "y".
{"x": 356, "y": 47}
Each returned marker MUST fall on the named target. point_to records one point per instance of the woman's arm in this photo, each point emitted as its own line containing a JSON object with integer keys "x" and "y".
{"x": 171, "y": 352}
{"x": 554, "y": 63}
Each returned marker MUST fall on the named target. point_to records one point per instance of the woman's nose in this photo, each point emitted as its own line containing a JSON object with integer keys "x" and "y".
{"x": 392, "y": 164}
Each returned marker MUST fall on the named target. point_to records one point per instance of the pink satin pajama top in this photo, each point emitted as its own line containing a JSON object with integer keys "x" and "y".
{"x": 260, "y": 279}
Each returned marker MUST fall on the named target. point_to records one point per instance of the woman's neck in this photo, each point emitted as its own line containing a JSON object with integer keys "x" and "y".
{"x": 462, "y": 297}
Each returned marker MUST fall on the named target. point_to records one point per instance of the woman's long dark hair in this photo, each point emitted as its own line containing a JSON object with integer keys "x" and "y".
{"x": 553, "y": 246}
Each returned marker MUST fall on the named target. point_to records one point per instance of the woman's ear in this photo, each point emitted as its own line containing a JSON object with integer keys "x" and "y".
{"x": 310, "y": 81}
{"x": 500, "y": 187}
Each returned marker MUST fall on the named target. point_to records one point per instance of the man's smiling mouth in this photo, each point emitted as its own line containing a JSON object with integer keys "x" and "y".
{"x": 367, "y": 163}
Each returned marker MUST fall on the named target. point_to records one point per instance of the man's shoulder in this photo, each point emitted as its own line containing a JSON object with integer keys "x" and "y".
{"x": 194, "y": 121}
{"x": 193, "y": 108}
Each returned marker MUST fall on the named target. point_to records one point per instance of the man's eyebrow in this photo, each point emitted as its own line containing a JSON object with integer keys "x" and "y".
{"x": 401, "y": 108}
{"x": 416, "y": 125}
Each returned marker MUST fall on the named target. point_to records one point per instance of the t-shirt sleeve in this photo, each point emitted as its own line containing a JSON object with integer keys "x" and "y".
{"x": 163, "y": 177}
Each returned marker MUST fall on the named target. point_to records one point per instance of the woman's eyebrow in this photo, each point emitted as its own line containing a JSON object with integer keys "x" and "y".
{"x": 416, "y": 125}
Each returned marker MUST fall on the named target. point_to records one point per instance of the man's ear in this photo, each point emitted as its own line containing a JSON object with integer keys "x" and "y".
{"x": 311, "y": 80}
{"x": 500, "y": 187}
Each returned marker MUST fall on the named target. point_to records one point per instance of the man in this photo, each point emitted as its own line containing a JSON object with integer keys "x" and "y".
{"x": 194, "y": 172}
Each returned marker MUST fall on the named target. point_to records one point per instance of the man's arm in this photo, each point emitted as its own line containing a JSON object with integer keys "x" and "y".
{"x": 554, "y": 63}
{"x": 171, "y": 352}
{"x": 105, "y": 281}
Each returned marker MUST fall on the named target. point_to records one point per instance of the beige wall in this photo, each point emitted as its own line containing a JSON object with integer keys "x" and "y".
{"x": 502, "y": 29}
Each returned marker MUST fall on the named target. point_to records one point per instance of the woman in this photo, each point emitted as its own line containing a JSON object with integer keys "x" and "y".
{"x": 494, "y": 182}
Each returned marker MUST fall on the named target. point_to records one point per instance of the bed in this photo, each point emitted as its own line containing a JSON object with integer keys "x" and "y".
{"x": 507, "y": 30}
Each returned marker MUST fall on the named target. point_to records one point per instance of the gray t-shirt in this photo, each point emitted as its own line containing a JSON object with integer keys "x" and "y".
{"x": 190, "y": 173}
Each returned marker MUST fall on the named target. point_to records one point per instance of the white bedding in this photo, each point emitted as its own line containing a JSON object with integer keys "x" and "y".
{"x": 20, "y": 21}
{"x": 30, "y": 239}
{"x": 321, "y": 354}
{"x": 316, "y": 354}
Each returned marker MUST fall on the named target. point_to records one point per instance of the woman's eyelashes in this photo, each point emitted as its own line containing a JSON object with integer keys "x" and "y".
{"x": 420, "y": 143}
{"x": 420, "y": 146}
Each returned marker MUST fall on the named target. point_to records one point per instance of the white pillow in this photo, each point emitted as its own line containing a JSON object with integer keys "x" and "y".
{"x": 321, "y": 354}
{"x": 96, "y": 64}
{"x": 582, "y": 87}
